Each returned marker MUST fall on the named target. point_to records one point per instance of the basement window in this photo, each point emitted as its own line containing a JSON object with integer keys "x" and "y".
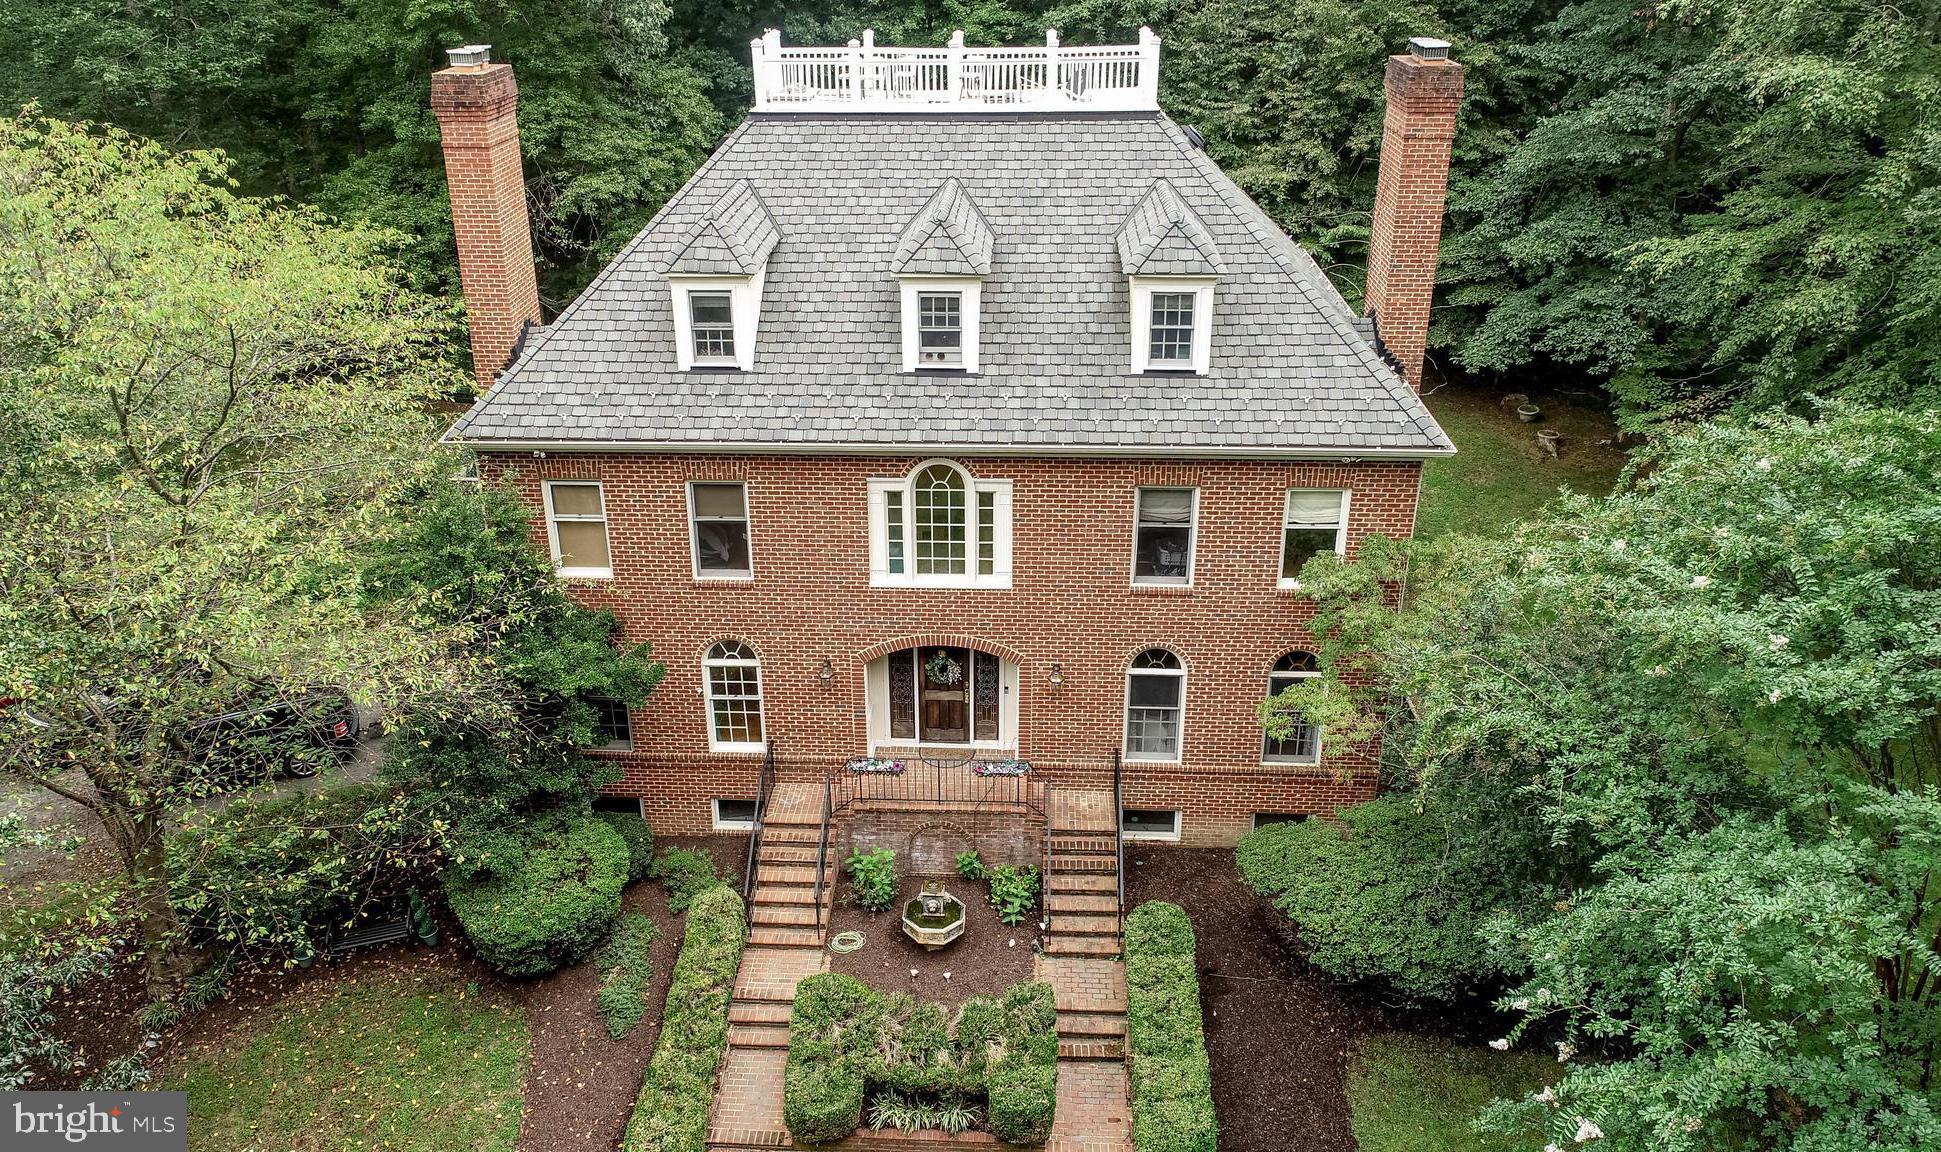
{"x": 1149, "y": 823}
{"x": 631, "y": 805}
{"x": 1263, "y": 819}
{"x": 734, "y": 815}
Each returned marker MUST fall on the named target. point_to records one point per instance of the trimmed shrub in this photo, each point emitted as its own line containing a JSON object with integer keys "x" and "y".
{"x": 1391, "y": 894}
{"x": 846, "y": 1039}
{"x": 639, "y": 838}
{"x": 626, "y": 959}
{"x": 685, "y": 875}
{"x": 550, "y": 906}
{"x": 1172, "y": 1083}
{"x": 672, "y": 1112}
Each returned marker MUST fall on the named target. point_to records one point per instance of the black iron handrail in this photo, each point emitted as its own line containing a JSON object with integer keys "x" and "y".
{"x": 929, "y": 780}
{"x": 1119, "y": 831}
{"x": 822, "y": 853}
{"x": 764, "y": 781}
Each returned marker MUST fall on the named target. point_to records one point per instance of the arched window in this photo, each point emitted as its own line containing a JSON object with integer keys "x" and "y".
{"x": 1155, "y": 701}
{"x": 1303, "y": 742}
{"x": 938, "y": 505}
{"x": 734, "y": 686}
{"x": 940, "y": 525}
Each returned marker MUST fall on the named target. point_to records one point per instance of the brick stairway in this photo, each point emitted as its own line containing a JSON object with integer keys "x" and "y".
{"x": 784, "y": 945}
{"x": 1081, "y": 963}
{"x": 1082, "y": 890}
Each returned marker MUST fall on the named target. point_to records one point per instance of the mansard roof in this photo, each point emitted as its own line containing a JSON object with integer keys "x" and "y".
{"x": 1162, "y": 237}
{"x": 1291, "y": 371}
{"x": 732, "y": 238}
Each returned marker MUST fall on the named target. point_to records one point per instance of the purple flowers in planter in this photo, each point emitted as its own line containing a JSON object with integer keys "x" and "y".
{"x": 870, "y": 766}
{"x": 1002, "y": 768}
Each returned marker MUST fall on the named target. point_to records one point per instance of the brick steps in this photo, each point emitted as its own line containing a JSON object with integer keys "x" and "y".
{"x": 1091, "y": 1049}
{"x": 783, "y": 915}
{"x": 1082, "y": 842}
{"x": 1064, "y": 923}
{"x": 1082, "y": 946}
{"x": 1089, "y": 863}
{"x": 788, "y": 855}
{"x": 1083, "y": 882}
{"x": 1070, "y": 903}
{"x": 1089, "y": 1025}
{"x": 810, "y": 834}
{"x": 784, "y": 873}
{"x": 758, "y": 1035}
{"x": 785, "y": 937}
{"x": 788, "y": 894}
{"x": 759, "y": 1011}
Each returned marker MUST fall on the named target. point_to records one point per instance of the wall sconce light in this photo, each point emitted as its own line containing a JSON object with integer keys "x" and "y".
{"x": 1057, "y": 676}
{"x": 827, "y": 672}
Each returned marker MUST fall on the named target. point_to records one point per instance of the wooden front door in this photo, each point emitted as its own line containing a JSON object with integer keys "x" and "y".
{"x": 944, "y": 676}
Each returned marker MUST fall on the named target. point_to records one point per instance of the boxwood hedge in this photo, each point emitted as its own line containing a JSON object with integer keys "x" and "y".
{"x": 640, "y": 841}
{"x": 846, "y": 1038}
{"x": 548, "y": 905}
{"x": 672, "y": 1112}
{"x": 1172, "y": 1084}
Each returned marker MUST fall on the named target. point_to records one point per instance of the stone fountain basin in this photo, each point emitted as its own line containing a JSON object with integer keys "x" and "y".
{"x": 933, "y": 932}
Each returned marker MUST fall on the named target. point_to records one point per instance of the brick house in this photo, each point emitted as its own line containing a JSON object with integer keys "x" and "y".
{"x": 948, "y": 412}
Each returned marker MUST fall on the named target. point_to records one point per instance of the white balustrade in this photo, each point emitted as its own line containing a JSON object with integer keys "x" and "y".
{"x": 862, "y": 77}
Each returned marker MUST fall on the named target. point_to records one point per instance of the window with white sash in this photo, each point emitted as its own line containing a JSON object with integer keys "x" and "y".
{"x": 576, "y": 527}
{"x": 718, "y": 517}
{"x": 1162, "y": 541}
{"x": 940, "y": 526}
{"x": 1315, "y": 520}
{"x": 1302, "y": 744}
{"x": 1155, "y": 704}
{"x": 733, "y": 679}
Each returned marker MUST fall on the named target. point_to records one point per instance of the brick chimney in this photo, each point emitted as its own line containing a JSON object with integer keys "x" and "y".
{"x": 1424, "y": 88}
{"x": 477, "y": 105}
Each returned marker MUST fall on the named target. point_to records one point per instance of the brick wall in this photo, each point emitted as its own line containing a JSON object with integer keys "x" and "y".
{"x": 927, "y": 843}
{"x": 1413, "y": 182}
{"x": 1071, "y": 603}
{"x": 478, "y": 124}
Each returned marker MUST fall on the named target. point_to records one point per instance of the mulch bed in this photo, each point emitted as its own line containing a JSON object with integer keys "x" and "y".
{"x": 1277, "y": 1031}
{"x": 981, "y": 962}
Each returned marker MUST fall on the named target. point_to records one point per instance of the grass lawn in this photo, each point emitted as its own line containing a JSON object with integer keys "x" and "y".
{"x": 1498, "y": 473}
{"x": 392, "y": 1062}
{"x": 1418, "y": 1094}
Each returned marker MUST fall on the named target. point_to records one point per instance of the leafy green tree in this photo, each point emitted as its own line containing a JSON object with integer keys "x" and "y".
{"x": 208, "y": 405}
{"x": 1718, "y": 694}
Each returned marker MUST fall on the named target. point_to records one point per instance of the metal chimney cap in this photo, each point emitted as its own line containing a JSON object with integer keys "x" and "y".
{"x": 1428, "y": 48}
{"x": 470, "y": 56}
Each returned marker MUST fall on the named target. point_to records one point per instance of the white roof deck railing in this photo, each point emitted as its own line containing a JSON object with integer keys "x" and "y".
{"x": 864, "y": 78}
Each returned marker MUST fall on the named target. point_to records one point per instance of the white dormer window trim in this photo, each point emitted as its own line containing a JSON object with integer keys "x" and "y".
{"x": 1143, "y": 290}
{"x": 938, "y": 526}
{"x": 970, "y": 292}
{"x": 744, "y": 297}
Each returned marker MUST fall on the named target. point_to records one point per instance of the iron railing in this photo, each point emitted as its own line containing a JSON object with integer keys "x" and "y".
{"x": 1119, "y": 831}
{"x": 822, "y": 852}
{"x": 764, "y": 783}
{"x": 928, "y": 780}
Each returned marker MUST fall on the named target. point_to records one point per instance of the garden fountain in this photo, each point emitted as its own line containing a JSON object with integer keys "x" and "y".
{"x": 933, "y": 918}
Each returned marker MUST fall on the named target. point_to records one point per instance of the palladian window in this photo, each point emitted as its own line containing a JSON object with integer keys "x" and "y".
{"x": 942, "y": 526}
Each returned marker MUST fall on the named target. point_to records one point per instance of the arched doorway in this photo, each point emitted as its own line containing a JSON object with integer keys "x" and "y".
{"x": 942, "y": 695}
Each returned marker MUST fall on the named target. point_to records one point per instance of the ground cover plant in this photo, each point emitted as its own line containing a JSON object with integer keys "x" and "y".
{"x": 626, "y": 960}
{"x": 410, "y": 1063}
{"x": 1409, "y": 1093}
{"x": 1172, "y": 1085}
{"x": 548, "y": 904}
{"x": 848, "y": 1040}
{"x": 671, "y": 1114}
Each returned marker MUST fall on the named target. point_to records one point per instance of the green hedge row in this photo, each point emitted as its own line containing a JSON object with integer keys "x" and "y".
{"x": 549, "y": 904}
{"x": 672, "y": 1112}
{"x": 640, "y": 841}
{"x": 846, "y": 1038}
{"x": 1172, "y": 1084}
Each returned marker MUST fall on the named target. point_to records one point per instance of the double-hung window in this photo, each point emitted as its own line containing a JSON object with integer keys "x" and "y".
{"x": 1315, "y": 521}
{"x": 612, "y": 728}
{"x": 711, "y": 317}
{"x": 576, "y": 525}
{"x": 734, "y": 689}
{"x": 1172, "y": 324}
{"x": 1162, "y": 547}
{"x": 1155, "y": 703}
{"x": 1302, "y": 743}
{"x": 940, "y": 525}
{"x": 1171, "y": 331}
{"x": 940, "y": 329}
{"x": 719, "y": 516}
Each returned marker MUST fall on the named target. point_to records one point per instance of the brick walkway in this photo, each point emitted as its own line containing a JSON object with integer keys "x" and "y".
{"x": 1093, "y": 1110}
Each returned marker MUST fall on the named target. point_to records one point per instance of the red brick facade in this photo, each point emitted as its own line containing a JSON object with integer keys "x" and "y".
{"x": 1071, "y": 603}
{"x": 1413, "y": 182}
{"x": 478, "y": 123}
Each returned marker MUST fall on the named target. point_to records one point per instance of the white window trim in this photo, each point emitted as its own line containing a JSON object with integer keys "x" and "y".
{"x": 694, "y": 545}
{"x": 720, "y": 825}
{"x": 876, "y": 711}
{"x": 1143, "y": 288}
{"x": 1125, "y": 715}
{"x": 880, "y": 575}
{"x": 1267, "y": 761}
{"x": 744, "y": 296}
{"x": 972, "y": 291}
{"x": 1192, "y": 538}
{"x": 626, "y": 745}
{"x": 552, "y": 531}
{"x": 1168, "y": 837}
{"x": 1293, "y": 583}
{"x": 707, "y": 702}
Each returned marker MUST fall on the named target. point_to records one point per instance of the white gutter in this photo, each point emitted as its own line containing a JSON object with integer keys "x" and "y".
{"x": 762, "y": 448}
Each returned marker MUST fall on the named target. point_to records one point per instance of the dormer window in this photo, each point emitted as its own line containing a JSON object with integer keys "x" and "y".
{"x": 716, "y": 282}
{"x": 1172, "y": 265}
{"x": 712, "y": 317}
{"x": 941, "y": 261}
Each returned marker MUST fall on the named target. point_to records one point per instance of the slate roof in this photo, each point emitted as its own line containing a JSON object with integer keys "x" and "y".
{"x": 1291, "y": 372}
{"x": 1162, "y": 237}
{"x": 948, "y": 237}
